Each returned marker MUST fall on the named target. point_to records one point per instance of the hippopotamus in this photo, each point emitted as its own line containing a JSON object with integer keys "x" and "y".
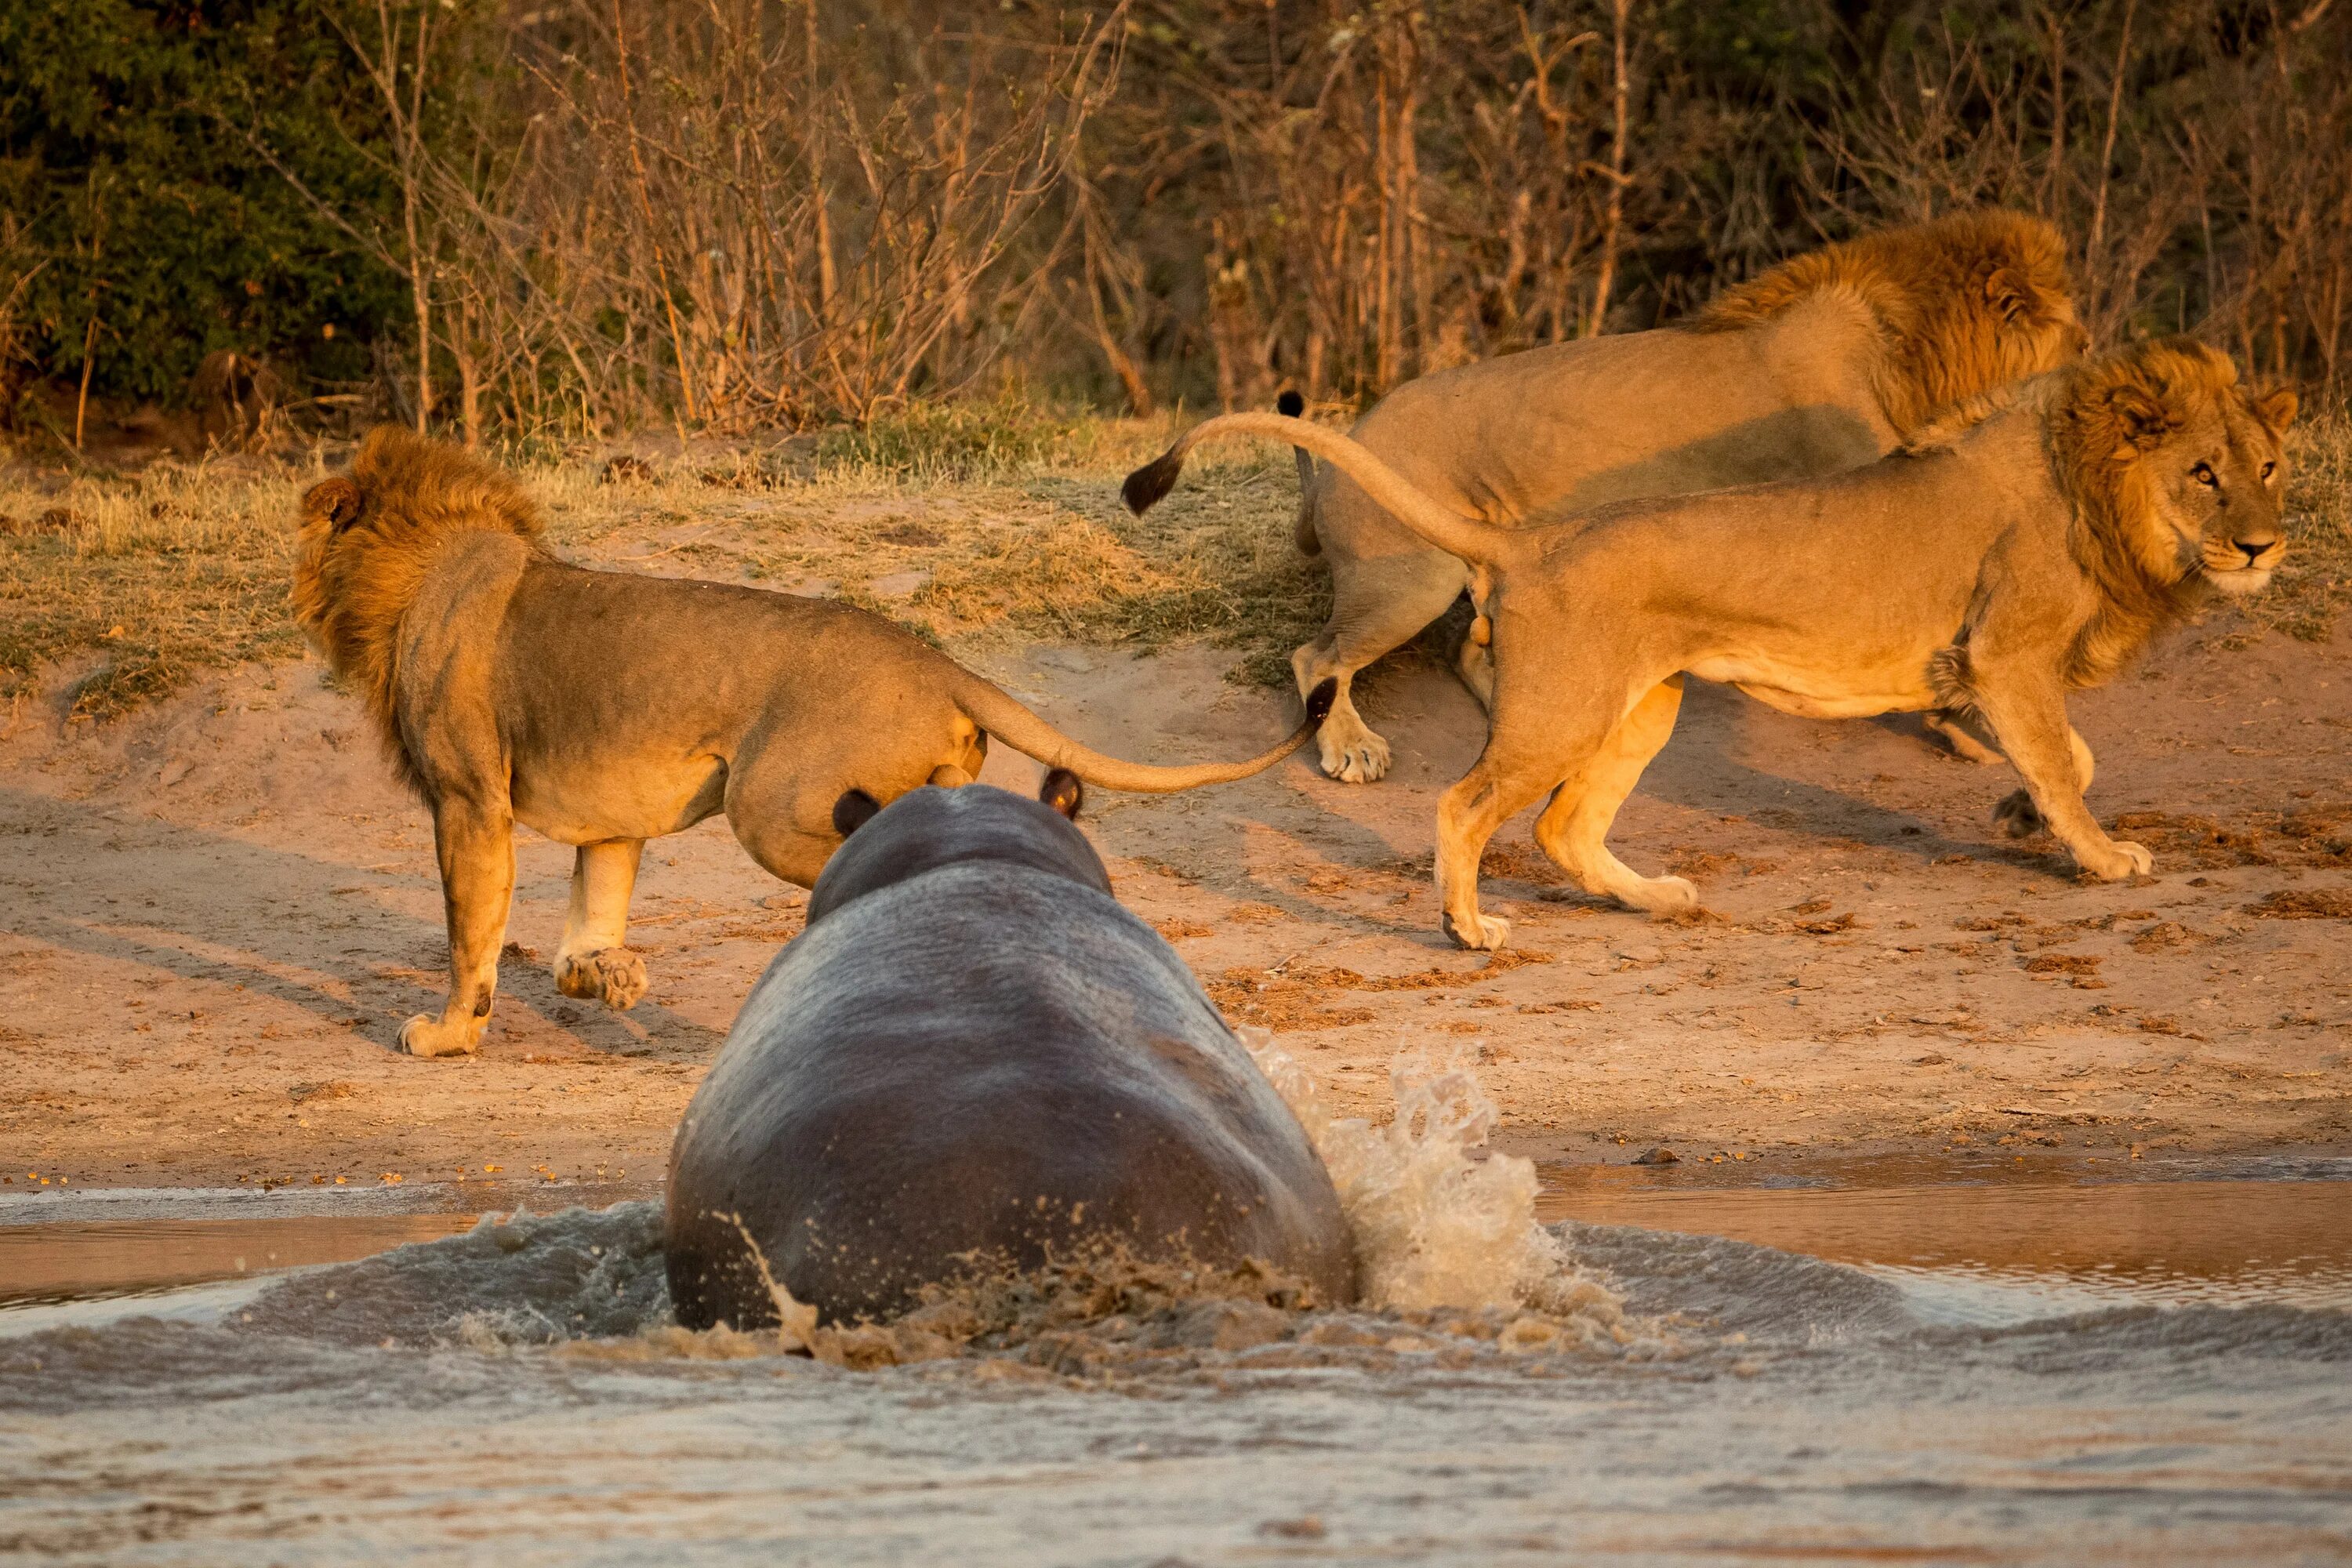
{"x": 975, "y": 1054}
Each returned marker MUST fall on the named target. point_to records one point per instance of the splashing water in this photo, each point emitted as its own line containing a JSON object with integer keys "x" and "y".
{"x": 1445, "y": 1230}
{"x": 1439, "y": 1218}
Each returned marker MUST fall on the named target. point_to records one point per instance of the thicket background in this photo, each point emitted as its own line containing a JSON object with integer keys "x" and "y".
{"x": 566, "y": 218}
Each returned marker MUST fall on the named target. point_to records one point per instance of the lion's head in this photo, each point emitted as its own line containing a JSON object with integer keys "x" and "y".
{"x": 2176, "y": 473}
{"x": 366, "y": 541}
{"x": 1967, "y": 304}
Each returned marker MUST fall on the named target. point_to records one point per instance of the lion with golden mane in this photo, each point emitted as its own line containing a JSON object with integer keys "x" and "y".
{"x": 603, "y": 708}
{"x": 2027, "y": 546}
{"x": 1826, "y": 363}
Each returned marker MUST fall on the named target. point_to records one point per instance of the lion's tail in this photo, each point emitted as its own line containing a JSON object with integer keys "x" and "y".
{"x": 1290, "y": 405}
{"x": 997, "y": 713}
{"x": 1448, "y": 530}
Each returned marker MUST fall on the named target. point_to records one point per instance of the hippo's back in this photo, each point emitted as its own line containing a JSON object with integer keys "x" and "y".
{"x": 985, "y": 1059}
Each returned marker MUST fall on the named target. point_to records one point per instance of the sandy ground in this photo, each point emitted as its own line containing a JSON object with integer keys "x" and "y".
{"x": 218, "y": 912}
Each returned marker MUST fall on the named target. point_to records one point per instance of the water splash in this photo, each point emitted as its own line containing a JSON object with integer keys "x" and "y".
{"x": 1440, "y": 1220}
{"x": 1444, "y": 1229}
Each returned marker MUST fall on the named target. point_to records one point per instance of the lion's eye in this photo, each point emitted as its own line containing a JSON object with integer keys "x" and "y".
{"x": 2203, "y": 474}
{"x": 2269, "y": 468}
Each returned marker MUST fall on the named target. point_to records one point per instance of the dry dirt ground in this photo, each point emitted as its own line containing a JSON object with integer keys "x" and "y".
{"x": 217, "y": 911}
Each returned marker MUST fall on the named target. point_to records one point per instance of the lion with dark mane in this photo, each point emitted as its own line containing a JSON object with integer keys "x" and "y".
{"x": 1828, "y": 361}
{"x": 603, "y": 708}
{"x": 2026, "y": 545}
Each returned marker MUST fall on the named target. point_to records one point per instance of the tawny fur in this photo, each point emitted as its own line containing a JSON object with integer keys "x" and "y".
{"x": 1943, "y": 294}
{"x": 408, "y": 496}
{"x": 603, "y": 708}
{"x": 1825, "y": 363}
{"x": 2116, "y": 410}
{"x": 2025, "y": 545}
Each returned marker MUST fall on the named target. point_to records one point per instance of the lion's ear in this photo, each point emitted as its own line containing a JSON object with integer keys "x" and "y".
{"x": 339, "y": 501}
{"x": 1062, "y": 792}
{"x": 2275, "y": 409}
{"x": 2013, "y": 297}
{"x": 2143, "y": 416}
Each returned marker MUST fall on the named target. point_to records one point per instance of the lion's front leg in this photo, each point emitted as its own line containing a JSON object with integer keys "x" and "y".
{"x": 592, "y": 961}
{"x": 2017, "y": 814}
{"x": 2029, "y": 718}
{"x": 476, "y": 846}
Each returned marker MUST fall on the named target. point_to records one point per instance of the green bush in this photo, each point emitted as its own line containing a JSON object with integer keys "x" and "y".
{"x": 127, "y": 166}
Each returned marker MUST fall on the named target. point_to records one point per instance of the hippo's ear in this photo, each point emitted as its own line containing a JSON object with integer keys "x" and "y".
{"x": 853, "y": 811}
{"x": 1062, "y": 792}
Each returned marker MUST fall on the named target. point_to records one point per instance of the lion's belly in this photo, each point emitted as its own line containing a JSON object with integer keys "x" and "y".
{"x": 619, "y": 799}
{"x": 1890, "y": 688}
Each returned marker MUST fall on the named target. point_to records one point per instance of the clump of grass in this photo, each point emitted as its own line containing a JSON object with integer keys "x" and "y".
{"x": 1062, "y": 573}
{"x": 176, "y": 570}
{"x": 956, "y": 442}
{"x": 1232, "y": 573}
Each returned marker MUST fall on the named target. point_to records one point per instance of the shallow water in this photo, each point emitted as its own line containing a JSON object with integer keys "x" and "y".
{"x": 2039, "y": 1371}
{"x": 2005, "y": 1243}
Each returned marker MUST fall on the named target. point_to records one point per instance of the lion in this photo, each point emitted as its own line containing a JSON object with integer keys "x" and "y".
{"x": 605, "y": 708}
{"x": 2029, "y": 544}
{"x": 1827, "y": 363}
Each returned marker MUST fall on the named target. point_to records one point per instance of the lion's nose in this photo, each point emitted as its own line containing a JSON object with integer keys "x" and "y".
{"x": 2255, "y": 548}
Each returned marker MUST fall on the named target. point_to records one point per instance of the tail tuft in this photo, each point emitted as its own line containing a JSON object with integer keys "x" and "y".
{"x": 1150, "y": 484}
{"x": 1290, "y": 404}
{"x": 1319, "y": 700}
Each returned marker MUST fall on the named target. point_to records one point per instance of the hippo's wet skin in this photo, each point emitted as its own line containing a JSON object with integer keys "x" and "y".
{"x": 973, "y": 1050}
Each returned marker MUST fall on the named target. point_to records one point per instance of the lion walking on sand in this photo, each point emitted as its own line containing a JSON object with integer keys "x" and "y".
{"x": 603, "y": 708}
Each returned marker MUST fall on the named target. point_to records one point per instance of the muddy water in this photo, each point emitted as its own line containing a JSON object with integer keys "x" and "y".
{"x": 2049, "y": 1370}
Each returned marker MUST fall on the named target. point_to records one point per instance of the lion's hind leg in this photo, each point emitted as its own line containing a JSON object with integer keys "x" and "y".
{"x": 1376, "y": 606}
{"x": 1496, "y": 789}
{"x": 1946, "y": 722}
{"x": 1476, "y": 660}
{"x": 1540, "y": 734}
{"x": 1574, "y": 828}
{"x": 593, "y": 961}
{"x": 783, "y": 801}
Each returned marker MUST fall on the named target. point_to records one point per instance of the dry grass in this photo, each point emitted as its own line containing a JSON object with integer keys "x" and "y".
{"x": 985, "y": 525}
{"x": 2316, "y": 578}
{"x": 144, "y": 581}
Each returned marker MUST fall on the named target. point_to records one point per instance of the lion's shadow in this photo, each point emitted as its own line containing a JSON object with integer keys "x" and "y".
{"x": 353, "y": 957}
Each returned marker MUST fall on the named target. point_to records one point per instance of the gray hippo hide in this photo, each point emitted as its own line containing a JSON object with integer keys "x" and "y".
{"x": 973, "y": 1050}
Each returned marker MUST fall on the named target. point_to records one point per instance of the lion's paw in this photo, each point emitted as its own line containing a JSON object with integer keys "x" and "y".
{"x": 1354, "y": 755}
{"x": 2017, "y": 815}
{"x": 2120, "y": 860}
{"x": 1663, "y": 895}
{"x": 1492, "y": 933}
{"x": 426, "y": 1035}
{"x": 614, "y": 975}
